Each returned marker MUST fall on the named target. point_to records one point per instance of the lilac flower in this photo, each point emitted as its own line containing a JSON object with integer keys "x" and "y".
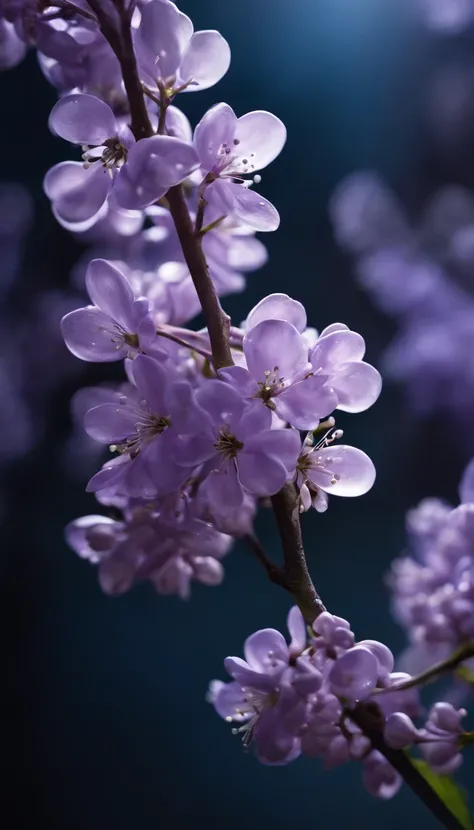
{"x": 144, "y": 545}
{"x": 144, "y": 428}
{"x": 230, "y": 148}
{"x": 337, "y": 355}
{"x": 175, "y": 58}
{"x": 240, "y": 451}
{"x": 280, "y": 374}
{"x": 339, "y": 470}
{"x": 379, "y": 777}
{"x": 12, "y": 48}
{"x": 354, "y": 674}
{"x": 448, "y": 16}
{"x": 140, "y": 172}
{"x": 433, "y": 588}
{"x": 441, "y": 738}
{"x": 118, "y": 325}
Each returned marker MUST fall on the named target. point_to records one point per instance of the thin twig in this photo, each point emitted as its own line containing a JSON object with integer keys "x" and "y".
{"x": 464, "y": 652}
{"x": 179, "y": 340}
{"x": 274, "y": 573}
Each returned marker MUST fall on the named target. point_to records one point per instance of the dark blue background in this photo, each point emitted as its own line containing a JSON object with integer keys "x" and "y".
{"x": 107, "y": 727}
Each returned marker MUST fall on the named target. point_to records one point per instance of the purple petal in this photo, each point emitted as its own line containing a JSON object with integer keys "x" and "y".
{"x": 151, "y": 381}
{"x": 110, "y": 423}
{"x": 205, "y": 61}
{"x": 244, "y": 204}
{"x": 83, "y": 119}
{"x": 240, "y": 379}
{"x": 222, "y": 490}
{"x": 153, "y": 166}
{"x": 159, "y": 464}
{"x": 110, "y": 291}
{"x": 77, "y": 193}
{"x": 192, "y": 450}
{"x": 351, "y": 470}
{"x": 89, "y": 335}
{"x": 354, "y": 674}
{"x": 297, "y": 628}
{"x": 335, "y": 348}
{"x": 283, "y": 445}
{"x": 247, "y": 677}
{"x": 223, "y": 403}
{"x": 261, "y": 135}
{"x": 161, "y": 38}
{"x": 304, "y": 403}
{"x": 215, "y": 128}
{"x": 275, "y": 345}
{"x": 278, "y": 307}
{"x": 177, "y": 125}
{"x": 110, "y": 474}
{"x": 357, "y": 386}
{"x": 229, "y": 702}
{"x": 254, "y": 420}
{"x": 265, "y": 647}
{"x": 466, "y": 487}
{"x": 260, "y": 474}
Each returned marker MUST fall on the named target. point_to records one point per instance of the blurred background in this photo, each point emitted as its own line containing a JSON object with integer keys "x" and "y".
{"x": 105, "y": 719}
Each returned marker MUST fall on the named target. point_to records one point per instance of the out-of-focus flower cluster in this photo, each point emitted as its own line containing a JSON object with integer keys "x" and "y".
{"x": 433, "y": 584}
{"x": 422, "y": 276}
{"x": 300, "y": 698}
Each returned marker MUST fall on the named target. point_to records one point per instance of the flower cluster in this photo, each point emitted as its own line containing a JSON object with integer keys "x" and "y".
{"x": 433, "y": 586}
{"x": 302, "y": 698}
{"x": 421, "y": 277}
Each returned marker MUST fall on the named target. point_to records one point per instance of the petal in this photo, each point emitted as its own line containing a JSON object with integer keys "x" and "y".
{"x": 77, "y": 193}
{"x": 215, "y": 128}
{"x": 88, "y": 334}
{"x": 110, "y": 422}
{"x": 223, "y": 403}
{"x": 283, "y": 445}
{"x": 83, "y": 119}
{"x": 278, "y": 307}
{"x": 297, "y": 628}
{"x": 245, "y": 204}
{"x": 275, "y": 345}
{"x": 192, "y": 450}
{"x": 355, "y": 471}
{"x": 110, "y": 475}
{"x": 247, "y": 677}
{"x": 335, "y": 348}
{"x": 153, "y": 166}
{"x": 160, "y": 465}
{"x": 205, "y": 61}
{"x": 304, "y": 403}
{"x": 161, "y": 38}
{"x": 240, "y": 379}
{"x": 256, "y": 418}
{"x": 151, "y": 381}
{"x": 466, "y": 487}
{"x": 262, "y": 134}
{"x": 230, "y": 701}
{"x": 357, "y": 386}
{"x": 260, "y": 474}
{"x": 177, "y": 125}
{"x": 263, "y": 648}
{"x": 110, "y": 291}
{"x": 222, "y": 490}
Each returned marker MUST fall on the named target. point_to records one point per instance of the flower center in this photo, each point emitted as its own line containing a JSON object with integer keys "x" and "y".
{"x": 227, "y": 444}
{"x": 114, "y": 154}
{"x": 270, "y": 386}
{"x": 231, "y": 163}
{"x": 148, "y": 427}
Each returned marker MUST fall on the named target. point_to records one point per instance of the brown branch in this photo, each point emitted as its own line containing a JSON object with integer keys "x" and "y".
{"x": 274, "y": 573}
{"x": 285, "y": 506}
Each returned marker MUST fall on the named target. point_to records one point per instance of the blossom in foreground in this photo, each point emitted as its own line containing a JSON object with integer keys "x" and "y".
{"x": 143, "y": 428}
{"x": 335, "y": 469}
{"x": 230, "y": 148}
{"x": 172, "y": 56}
{"x": 291, "y": 699}
{"x": 118, "y": 325}
{"x": 140, "y": 172}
